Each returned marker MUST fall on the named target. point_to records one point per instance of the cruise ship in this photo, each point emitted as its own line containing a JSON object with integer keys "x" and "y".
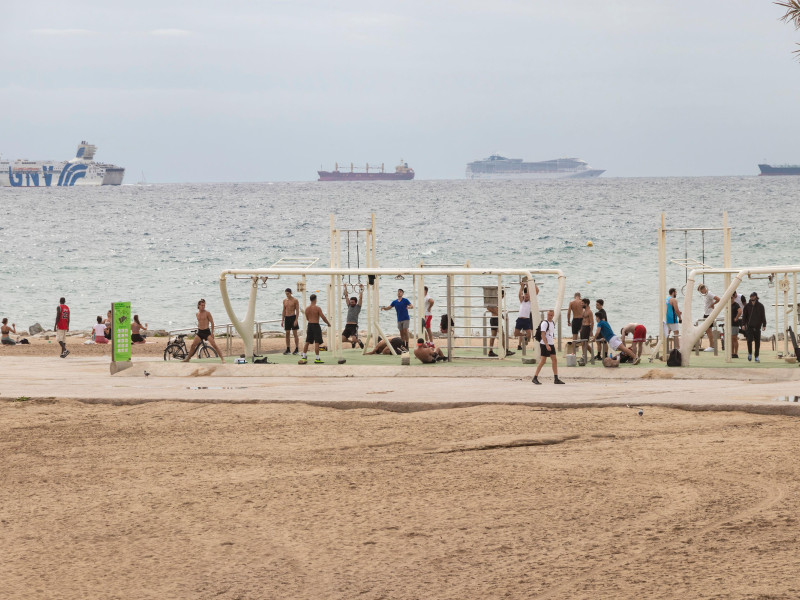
{"x": 81, "y": 170}
{"x": 500, "y": 167}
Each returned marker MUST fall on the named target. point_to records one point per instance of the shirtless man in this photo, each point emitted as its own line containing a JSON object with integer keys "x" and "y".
{"x": 427, "y": 353}
{"x": 575, "y": 317}
{"x": 350, "y": 332}
{"x": 587, "y": 325}
{"x": 205, "y": 331}
{"x": 314, "y": 331}
{"x": 290, "y": 317}
{"x": 638, "y": 332}
{"x": 494, "y": 323}
{"x": 524, "y": 324}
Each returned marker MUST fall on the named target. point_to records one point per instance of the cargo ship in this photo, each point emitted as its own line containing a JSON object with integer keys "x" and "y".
{"x": 402, "y": 172}
{"x": 779, "y": 169}
{"x": 500, "y": 167}
{"x": 81, "y": 170}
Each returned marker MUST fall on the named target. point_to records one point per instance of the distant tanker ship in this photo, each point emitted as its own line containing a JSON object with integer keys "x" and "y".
{"x": 779, "y": 169}
{"x": 81, "y": 170}
{"x": 401, "y": 172}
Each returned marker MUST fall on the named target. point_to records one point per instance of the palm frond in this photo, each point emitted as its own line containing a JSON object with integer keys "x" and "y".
{"x": 792, "y": 12}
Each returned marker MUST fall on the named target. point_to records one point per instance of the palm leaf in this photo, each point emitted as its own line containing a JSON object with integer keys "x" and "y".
{"x": 792, "y": 12}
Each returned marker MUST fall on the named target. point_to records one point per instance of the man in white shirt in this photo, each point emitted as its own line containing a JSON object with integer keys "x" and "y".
{"x": 548, "y": 348}
{"x": 428, "y": 317}
{"x": 709, "y": 302}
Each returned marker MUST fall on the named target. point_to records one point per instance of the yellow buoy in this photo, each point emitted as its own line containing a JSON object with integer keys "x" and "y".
{"x": 590, "y": 243}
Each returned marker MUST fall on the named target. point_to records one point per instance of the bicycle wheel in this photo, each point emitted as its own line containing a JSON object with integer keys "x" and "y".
{"x": 174, "y": 352}
{"x": 207, "y": 352}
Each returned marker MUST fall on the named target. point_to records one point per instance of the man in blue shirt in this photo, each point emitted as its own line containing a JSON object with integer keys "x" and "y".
{"x": 401, "y": 305}
{"x": 614, "y": 342}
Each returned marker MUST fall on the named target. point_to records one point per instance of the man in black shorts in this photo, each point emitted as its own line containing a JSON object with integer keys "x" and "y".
{"x": 290, "y": 320}
{"x": 350, "y": 333}
{"x": 547, "y": 347}
{"x": 587, "y": 325}
{"x": 575, "y": 318}
{"x": 314, "y": 332}
{"x": 600, "y": 343}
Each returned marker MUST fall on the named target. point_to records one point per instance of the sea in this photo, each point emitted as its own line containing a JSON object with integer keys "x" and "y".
{"x": 162, "y": 247}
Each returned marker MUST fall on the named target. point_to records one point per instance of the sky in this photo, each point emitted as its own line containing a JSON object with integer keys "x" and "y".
{"x": 208, "y": 91}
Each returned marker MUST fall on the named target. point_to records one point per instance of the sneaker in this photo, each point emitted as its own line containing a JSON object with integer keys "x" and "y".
{"x": 536, "y": 380}
{"x": 360, "y": 344}
{"x": 318, "y": 362}
{"x": 519, "y": 346}
{"x": 734, "y": 356}
{"x": 287, "y": 351}
{"x": 757, "y": 359}
{"x": 62, "y": 355}
{"x": 749, "y": 357}
{"x": 637, "y": 360}
{"x": 510, "y": 353}
{"x": 302, "y": 361}
{"x": 491, "y": 353}
{"x": 708, "y": 350}
{"x": 556, "y": 380}
{"x": 296, "y": 351}
{"x": 66, "y": 352}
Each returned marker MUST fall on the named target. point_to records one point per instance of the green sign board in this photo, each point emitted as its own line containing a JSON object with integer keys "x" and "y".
{"x": 121, "y": 331}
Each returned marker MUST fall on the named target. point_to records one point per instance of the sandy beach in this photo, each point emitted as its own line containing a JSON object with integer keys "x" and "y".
{"x": 234, "y": 487}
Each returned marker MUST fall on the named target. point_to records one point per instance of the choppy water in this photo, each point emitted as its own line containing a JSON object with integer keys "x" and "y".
{"x": 163, "y": 246}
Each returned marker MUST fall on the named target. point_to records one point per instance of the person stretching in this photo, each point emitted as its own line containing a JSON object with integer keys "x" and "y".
{"x": 547, "y": 348}
{"x": 614, "y": 343}
{"x": 638, "y": 331}
{"x": 314, "y": 331}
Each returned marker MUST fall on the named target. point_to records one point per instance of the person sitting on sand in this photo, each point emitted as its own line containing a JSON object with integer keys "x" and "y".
{"x": 428, "y": 353}
{"x": 205, "y": 331}
{"x": 6, "y": 331}
{"x": 100, "y": 331}
{"x": 136, "y": 330}
{"x": 314, "y": 332}
{"x": 614, "y": 342}
{"x": 638, "y": 331}
{"x": 382, "y": 348}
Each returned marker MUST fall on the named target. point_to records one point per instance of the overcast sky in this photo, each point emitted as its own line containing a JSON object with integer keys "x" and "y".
{"x": 272, "y": 90}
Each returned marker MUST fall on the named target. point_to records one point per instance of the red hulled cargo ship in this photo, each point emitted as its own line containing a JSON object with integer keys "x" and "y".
{"x": 401, "y": 172}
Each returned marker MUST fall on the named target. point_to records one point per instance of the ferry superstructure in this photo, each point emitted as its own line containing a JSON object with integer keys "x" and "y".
{"x": 500, "y": 167}
{"x": 81, "y": 170}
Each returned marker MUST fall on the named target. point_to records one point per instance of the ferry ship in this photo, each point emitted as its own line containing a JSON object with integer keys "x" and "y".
{"x": 81, "y": 170}
{"x": 500, "y": 167}
{"x": 779, "y": 169}
{"x": 402, "y": 172}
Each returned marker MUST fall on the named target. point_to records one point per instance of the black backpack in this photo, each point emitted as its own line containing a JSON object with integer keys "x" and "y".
{"x": 674, "y": 359}
{"x": 538, "y": 335}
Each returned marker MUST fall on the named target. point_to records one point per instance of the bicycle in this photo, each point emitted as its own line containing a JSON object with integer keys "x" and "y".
{"x": 177, "y": 350}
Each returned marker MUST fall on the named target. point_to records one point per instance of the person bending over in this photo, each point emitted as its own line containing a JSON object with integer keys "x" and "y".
{"x": 382, "y": 348}
{"x": 638, "y": 331}
{"x": 614, "y": 342}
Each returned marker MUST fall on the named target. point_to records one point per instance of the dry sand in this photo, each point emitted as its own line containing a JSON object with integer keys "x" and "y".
{"x": 187, "y": 500}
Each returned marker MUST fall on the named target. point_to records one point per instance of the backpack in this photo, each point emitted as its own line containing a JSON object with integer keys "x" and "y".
{"x": 674, "y": 359}
{"x": 538, "y": 335}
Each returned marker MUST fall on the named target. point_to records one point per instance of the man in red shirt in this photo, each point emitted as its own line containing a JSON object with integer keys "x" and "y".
{"x": 62, "y": 326}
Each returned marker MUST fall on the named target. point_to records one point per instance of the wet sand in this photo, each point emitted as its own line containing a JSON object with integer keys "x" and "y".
{"x": 209, "y": 500}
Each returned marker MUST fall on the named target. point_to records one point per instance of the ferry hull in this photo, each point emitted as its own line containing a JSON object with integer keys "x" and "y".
{"x": 79, "y": 171}
{"x": 588, "y": 174}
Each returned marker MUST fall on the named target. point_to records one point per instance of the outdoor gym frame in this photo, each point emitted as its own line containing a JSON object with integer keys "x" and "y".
{"x": 690, "y": 334}
{"x": 336, "y": 288}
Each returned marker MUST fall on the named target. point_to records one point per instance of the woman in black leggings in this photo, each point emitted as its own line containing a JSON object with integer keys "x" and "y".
{"x": 755, "y": 321}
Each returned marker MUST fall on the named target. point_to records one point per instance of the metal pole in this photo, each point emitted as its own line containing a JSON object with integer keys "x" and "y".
{"x": 726, "y": 263}
{"x": 662, "y": 285}
{"x": 449, "y": 318}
